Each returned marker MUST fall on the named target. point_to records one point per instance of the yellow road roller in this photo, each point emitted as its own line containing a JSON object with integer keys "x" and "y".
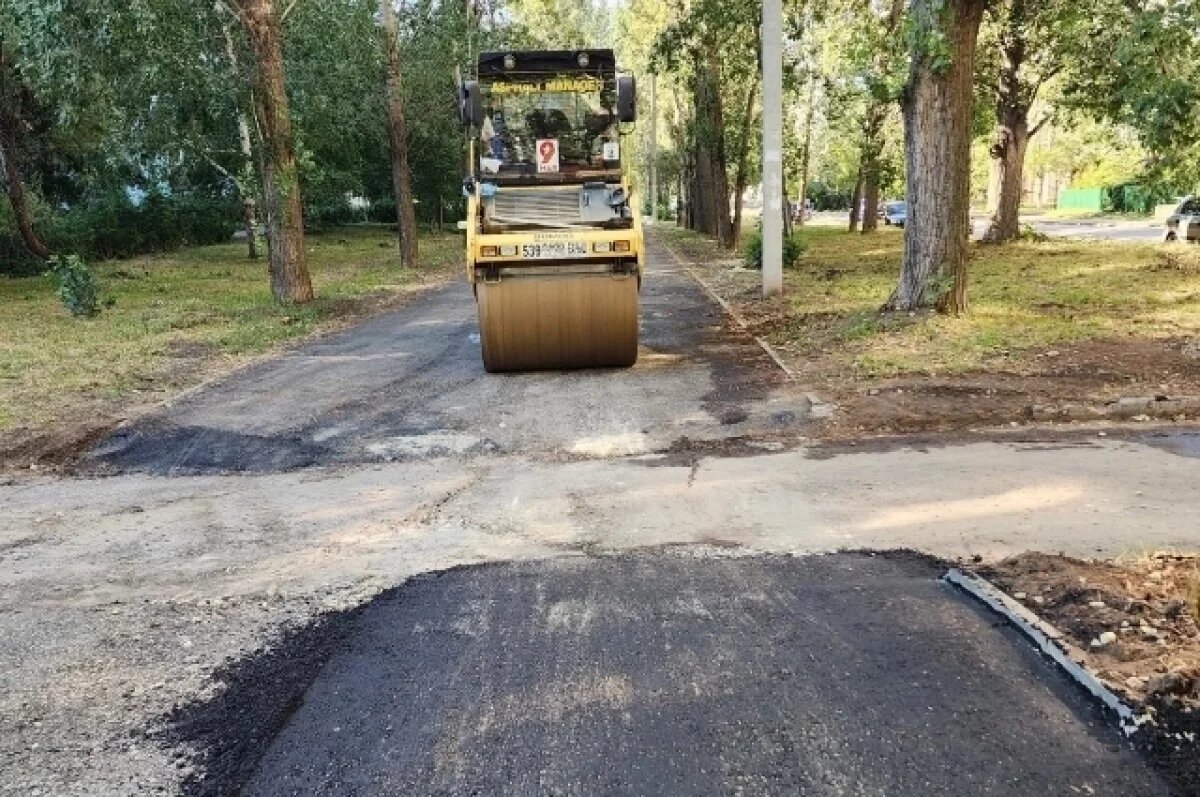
{"x": 553, "y": 233}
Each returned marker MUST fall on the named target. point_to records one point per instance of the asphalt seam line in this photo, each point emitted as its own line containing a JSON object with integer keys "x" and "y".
{"x": 1048, "y": 639}
{"x": 814, "y": 400}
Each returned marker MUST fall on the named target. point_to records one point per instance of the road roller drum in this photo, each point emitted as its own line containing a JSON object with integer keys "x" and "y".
{"x": 551, "y": 321}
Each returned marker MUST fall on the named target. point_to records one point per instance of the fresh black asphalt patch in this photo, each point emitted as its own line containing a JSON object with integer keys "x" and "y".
{"x": 398, "y": 386}
{"x": 661, "y": 672}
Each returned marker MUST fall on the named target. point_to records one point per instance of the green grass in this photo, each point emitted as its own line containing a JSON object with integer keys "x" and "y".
{"x": 1024, "y": 298}
{"x": 177, "y": 315}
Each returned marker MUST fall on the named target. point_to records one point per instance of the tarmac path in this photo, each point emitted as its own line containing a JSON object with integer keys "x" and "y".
{"x": 215, "y": 571}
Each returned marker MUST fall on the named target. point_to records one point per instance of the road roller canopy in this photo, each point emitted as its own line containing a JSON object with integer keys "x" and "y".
{"x": 549, "y": 116}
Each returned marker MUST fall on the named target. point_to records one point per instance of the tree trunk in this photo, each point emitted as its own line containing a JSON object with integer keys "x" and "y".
{"x": 15, "y": 185}
{"x": 652, "y": 154}
{"x": 406, "y": 217}
{"x": 856, "y": 202}
{"x": 870, "y": 219}
{"x": 806, "y": 148}
{"x": 937, "y": 122}
{"x": 1011, "y": 139}
{"x": 872, "y": 155}
{"x": 739, "y": 183}
{"x": 873, "y": 122}
{"x": 245, "y": 181}
{"x": 14, "y": 181}
{"x": 711, "y": 197}
{"x": 681, "y": 198}
{"x": 249, "y": 206}
{"x": 286, "y": 255}
{"x": 1008, "y": 164}
{"x": 993, "y": 186}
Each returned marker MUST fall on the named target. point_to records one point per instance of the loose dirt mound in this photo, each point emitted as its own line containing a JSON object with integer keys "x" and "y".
{"x": 1069, "y": 383}
{"x": 1139, "y": 622}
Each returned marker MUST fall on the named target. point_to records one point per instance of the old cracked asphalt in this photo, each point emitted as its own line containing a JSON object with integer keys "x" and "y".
{"x": 220, "y": 595}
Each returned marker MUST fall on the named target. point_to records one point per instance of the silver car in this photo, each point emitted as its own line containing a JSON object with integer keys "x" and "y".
{"x": 895, "y": 214}
{"x": 1184, "y": 223}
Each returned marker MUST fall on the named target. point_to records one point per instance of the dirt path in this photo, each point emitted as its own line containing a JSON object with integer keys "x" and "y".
{"x": 313, "y": 482}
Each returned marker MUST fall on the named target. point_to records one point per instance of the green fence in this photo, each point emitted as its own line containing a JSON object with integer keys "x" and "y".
{"x": 1125, "y": 198}
{"x": 1088, "y": 200}
{"x": 1134, "y": 198}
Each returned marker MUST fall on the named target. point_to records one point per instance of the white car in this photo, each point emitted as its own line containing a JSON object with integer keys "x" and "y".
{"x": 1184, "y": 223}
{"x": 894, "y": 214}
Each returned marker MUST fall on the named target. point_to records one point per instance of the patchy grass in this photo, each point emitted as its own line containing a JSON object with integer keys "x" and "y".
{"x": 179, "y": 317}
{"x": 1024, "y": 297}
{"x": 1051, "y": 323}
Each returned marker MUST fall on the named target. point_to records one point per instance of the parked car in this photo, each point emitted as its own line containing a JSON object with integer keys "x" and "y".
{"x": 894, "y": 213}
{"x": 1187, "y": 216}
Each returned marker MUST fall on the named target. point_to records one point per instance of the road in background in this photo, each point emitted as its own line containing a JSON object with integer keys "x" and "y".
{"x": 1096, "y": 230}
{"x": 1081, "y": 229}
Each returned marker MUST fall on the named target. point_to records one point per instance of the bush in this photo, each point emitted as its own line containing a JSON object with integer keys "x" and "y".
{"x": 1029, "y": 233}
{"x": 793, "y": 250}
{"x": 830, "y": 197}
{"x": 114, "y": 227}
{"x": 77, "y": 288}
{"x": 111, "y": 226}
{"x": 320, "y": 216}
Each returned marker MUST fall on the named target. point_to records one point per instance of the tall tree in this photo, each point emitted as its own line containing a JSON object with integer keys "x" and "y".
{"x": 881, "y": 93}
{"x": 1033, "y": 42}
{"x": 742, "y": 172}
{"x": 710, "y": 191}
{"x": 13, "y": 97}
{"x": 287, "y": 257}
{"x": 712, "y": 46}
{"x": 937, "y": 122}
{"x": 406, "y": 218}
{"x": 1146, "y": 74}
{"x": 554, "y": 24}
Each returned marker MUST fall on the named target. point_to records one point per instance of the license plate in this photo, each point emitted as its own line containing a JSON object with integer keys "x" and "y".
{"x": 553, "y": 250}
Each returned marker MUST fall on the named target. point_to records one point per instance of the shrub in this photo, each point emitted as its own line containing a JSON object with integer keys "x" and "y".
{"x": 111, "y": 226}
{"x": 321, "y": 215}
{"x": 1030, "y": 234}
{"x": 793, "y": 250}
{"x": 77, "y": 286}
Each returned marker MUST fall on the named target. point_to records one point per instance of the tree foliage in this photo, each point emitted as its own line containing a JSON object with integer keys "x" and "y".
{"x": 121, "y": 123}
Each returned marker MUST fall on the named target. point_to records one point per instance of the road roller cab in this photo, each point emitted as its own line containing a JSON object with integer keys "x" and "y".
{"x": 553, "y": 233}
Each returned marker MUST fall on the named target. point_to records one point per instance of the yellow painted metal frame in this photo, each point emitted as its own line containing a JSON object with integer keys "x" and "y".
{"x": 477, "y": 239}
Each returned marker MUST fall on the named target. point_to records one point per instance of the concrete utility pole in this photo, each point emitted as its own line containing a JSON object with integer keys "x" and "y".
{"x": 772, "y": 147}
{"x": 653, "y": 149}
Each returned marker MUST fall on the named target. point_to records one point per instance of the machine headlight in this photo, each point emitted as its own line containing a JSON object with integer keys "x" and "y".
{"x": 509, "y": 250}
{"x": 602, "y": 246}
{"x": 487, "y": 251}
{"x": 620, "y": 246}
